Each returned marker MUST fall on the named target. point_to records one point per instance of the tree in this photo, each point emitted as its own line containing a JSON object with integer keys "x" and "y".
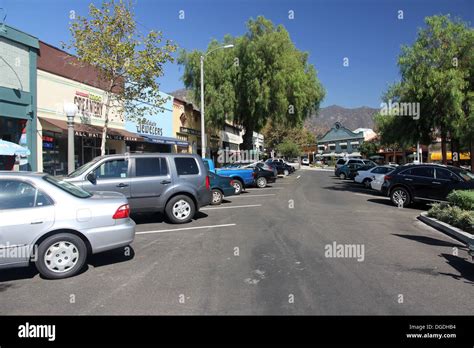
{"x": 276, "y": 134}
{"x": 368, "y": 148}
{"x": 437, "y": 73}
{"x": 289, "y": 149}
{"x": 264, "y": 77}
{"x": 128, "y": 62}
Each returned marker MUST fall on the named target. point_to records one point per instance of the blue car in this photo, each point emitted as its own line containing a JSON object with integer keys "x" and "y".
{"x": 241, "y": 177}
{"x": 221, "y": 186}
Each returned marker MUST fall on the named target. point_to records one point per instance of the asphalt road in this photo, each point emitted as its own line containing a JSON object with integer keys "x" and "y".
{"x": 264, "y": 252}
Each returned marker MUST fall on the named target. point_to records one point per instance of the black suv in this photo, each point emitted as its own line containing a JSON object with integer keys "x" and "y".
{"x": 425, "y": 182}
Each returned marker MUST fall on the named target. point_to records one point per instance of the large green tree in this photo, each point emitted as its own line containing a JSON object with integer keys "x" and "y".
{"x": 128, "y": 62}
{"x": 436, "y": 72}
{"x": 264, "y": 77}
{"x": 276, "y": 133}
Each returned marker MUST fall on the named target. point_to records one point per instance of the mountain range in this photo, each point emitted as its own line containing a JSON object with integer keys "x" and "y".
{"x": 324, "y": 118}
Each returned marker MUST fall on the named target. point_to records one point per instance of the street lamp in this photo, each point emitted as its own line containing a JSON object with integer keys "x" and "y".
{"x": 70, "y": 109}
{"x": 203, "y": 132}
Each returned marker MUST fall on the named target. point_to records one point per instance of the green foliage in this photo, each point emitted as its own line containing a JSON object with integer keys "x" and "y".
{"x": 437, "y": 72}
{"x": 368, "y": 148}
{"x": 128, "y": 62}
{"x": 276, "y": 134}
{"x": 464, "y": 199}
{"x": 264, "y": 77}
{"x": 453, "y": 215}
{"x": 289, "y": 149}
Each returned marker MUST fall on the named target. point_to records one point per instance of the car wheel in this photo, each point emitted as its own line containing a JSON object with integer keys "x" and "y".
{"x": 238, "y": 187}
{"x": 216, "y": 197}
{"x": 400, "y": 197}
{"x": 180, "y": 209}
{"x": 286, "y": 172}
{"x": 60, "y": 256}
{"x": 342, "y": 176}
{"x": 262, "y": 182}
{"x": 366, "y": 183}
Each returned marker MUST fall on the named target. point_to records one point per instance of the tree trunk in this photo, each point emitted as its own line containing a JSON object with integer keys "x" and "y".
{"x": 443, "y": 149}
{"x": 472, "y": 154}
{"x": 106, "y": 121}
{"x": 247, "y": 138}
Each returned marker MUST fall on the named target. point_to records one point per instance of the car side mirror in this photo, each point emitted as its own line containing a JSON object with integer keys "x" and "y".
{"x": 92, "y": 178}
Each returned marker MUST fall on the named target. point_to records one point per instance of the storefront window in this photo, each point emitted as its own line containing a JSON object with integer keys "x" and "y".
{"x": 54, "y": 153}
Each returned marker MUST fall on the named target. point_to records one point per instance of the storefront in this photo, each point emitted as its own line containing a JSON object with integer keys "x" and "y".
{"x": 155, "y": 130}
{"x": 59, "y": 81}
{"x": 18, "y": 59}
{"x": 187, "y": 126}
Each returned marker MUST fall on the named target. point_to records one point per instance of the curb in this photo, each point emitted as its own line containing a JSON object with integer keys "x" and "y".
{"x": 452, "y": 231}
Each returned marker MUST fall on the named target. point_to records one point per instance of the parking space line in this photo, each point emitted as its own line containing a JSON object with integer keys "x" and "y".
{"x": 266, "y": 188}
{"x": 247, "y": 196}
{"x": 234, "y": 206}
{"x": 185, "y": 229}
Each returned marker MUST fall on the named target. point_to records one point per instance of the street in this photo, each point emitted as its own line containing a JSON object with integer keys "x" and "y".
{"x": 263, "y": 252}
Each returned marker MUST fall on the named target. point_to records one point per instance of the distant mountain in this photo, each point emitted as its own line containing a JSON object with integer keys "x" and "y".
{"x": 355, "y": 118}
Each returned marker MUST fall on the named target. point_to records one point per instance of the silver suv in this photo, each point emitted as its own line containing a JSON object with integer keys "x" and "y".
{"x": 174, "y": 184}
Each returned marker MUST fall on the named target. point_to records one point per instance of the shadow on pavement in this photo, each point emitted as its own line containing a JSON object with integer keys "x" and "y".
{"x": 464, "y": 267}
{"x": 153, "y": 218}
{"x": 430, "y": 241}
{"x": 388, "y": 202}
{"x": 351, "y": 187}
{"x": 112, "y": 256}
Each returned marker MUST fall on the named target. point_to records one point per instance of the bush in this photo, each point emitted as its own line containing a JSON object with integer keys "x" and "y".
{"x": 464, "y": 199}
{"x": 453, "y": 215}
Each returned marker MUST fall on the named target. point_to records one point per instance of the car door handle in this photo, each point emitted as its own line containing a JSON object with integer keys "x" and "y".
{"x": 122, "y": 185}
{"x": 36, "y": 222}
{"x": 165, "y": 182}
{"x": 436, "y": 182}
{"x": 408, "y": 179}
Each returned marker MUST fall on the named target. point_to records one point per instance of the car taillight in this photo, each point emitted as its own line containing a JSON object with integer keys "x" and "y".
{"x": 122, "y": 212}
{"x": 387, "y": 178}
{"x": 254, "y": 174}
{"x": 208, "y": 183}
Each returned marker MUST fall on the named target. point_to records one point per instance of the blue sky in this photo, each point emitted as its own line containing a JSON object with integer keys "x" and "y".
{"x": 367, "y": 32}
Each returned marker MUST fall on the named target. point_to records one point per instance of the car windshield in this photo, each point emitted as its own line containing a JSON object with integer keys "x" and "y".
{"x": 68, "y": 187}
{"x": 82, "y": 169}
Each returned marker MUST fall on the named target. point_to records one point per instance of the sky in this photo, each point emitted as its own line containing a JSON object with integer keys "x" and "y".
{"x": 367, "y": 32}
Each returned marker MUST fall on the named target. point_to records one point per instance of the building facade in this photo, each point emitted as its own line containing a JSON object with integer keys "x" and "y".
{"x": 62, "y": 79}
{"x": 18, "y": 92}
{"x": 340, "y": 142}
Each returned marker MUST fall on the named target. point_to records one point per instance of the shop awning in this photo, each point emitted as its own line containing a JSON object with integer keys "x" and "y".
{"x": 164, "y": 140}
{"x": 88, "y": 130}
{"x": 436, "y": 156}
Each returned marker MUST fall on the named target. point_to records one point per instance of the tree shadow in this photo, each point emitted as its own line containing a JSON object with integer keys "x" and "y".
{"x": 388, "y": 202}
{"x": 463, "y": 266}
{"x": 153, "y": 218}
{"x": 430, "y": 241}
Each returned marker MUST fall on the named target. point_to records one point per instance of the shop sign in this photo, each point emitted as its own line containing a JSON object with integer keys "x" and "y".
{"x": 97, "y": 135}
{"x": 88, "y": 104}
{"x": 189, "y": 131}
{"x": 148, "y": 127}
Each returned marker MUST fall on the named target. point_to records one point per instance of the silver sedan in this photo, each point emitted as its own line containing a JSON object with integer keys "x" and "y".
{"x": 57, "y": 225}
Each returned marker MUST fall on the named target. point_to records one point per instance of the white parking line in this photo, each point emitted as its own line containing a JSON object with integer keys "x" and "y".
{"x": 299, "y": 176}
{"x": 185, "y": 229}
{"x": 266, "y": 188}
{"x": 366, "y": 195}
{"x": 233, "y": 207}
{"x": 248, "y": 196}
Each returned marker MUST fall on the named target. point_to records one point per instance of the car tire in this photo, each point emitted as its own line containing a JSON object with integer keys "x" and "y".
{"x": 61, "y": 256}
{"x": 180, "y": 209}
{"x": 217, "y": 197}
{"x": 238, "y": 187}
{"x": 261, "y": 182}
{"x": 366, "y": 182}
{"x": 400, "y": 193}
{"x": 342, "y": 176}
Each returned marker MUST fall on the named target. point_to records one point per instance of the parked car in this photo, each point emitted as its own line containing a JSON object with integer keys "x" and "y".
{"x": 305, "y": 161}
{"x": 264, "y": 166}
{"x": 348, "y": 171}
{"x": 281, "y": 167}
{"x": 365, "y": 177}
{"x": 362, "y": 168}
{"x": 221, "y": 186}
{"x": 57, "y": 225}
{"x": 241, "y": 177}
{"x": 344, "y": 161}
{"x": 263, "y": 177}
{"x": 294, "y": 163}
{"x": 175, "y": 184}
{"x": 425, "y": 182}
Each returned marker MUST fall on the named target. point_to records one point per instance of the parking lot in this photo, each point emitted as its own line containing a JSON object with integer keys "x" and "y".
{"x": 263, "y": 252}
